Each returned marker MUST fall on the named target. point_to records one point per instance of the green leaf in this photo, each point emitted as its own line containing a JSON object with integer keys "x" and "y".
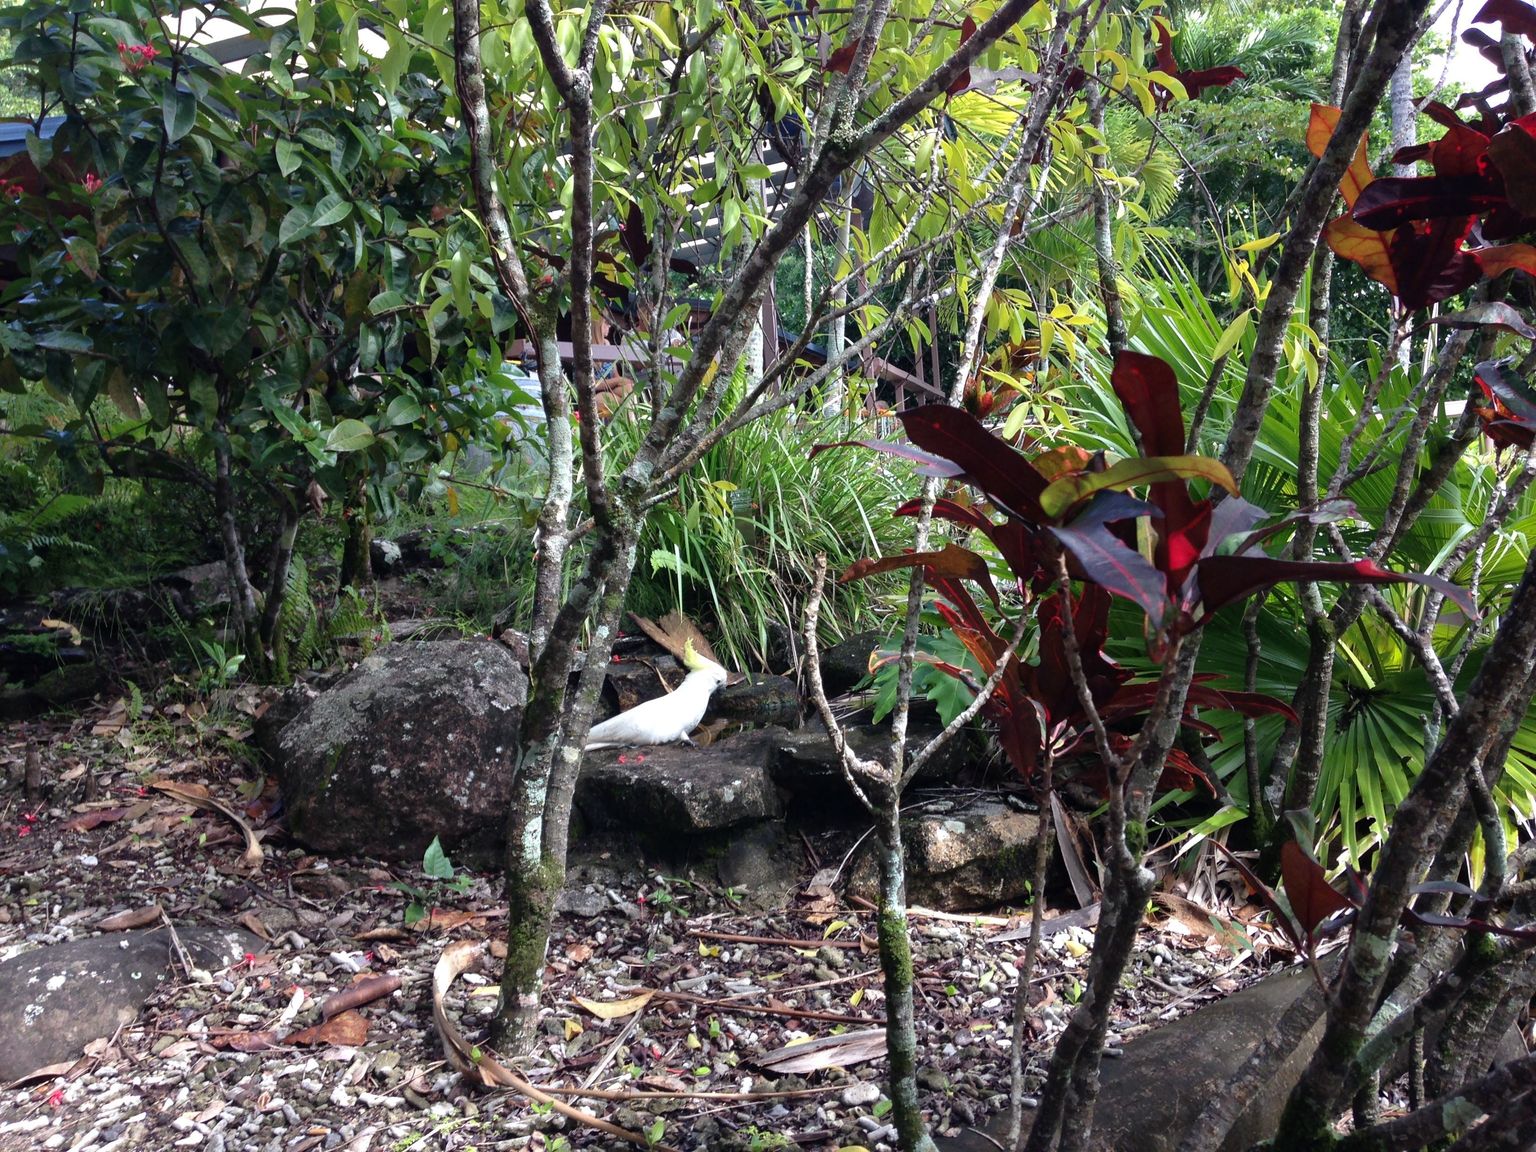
{"x": 82, "y": 253}
{"x": 180, "y": 111}
{"x": 385, "y": 301}
{"x": 1061, "y": 494}
{"x": 294, "y": 226}
{"x": 65, "y": 341}
{"x": 289, "y": 156}
{"x": 402, "y": 410}
{"x": 331, "y": 210}
{"x": 349, "y": 436}
{"x": 435, "y": 862}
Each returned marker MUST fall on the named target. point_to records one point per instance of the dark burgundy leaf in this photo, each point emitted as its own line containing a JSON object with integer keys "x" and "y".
{"x": 1446, "y": 887}
{"x": 1200, "y": 79}
{"x": 1504, "y": 385}
{"x": 1518, "y": 17}
{"x": 933, "y": 465}
{"x": 1149, "y": 392}
{"x": 1391, "y": 201}
{"x": 1224, "y": 579}
{"x": 1243, "y": 703}
{"x": 963, "y": 81}
{"x": 842, "y": 59}
{"x": 1106, "y": 561}
{"x": 1014, "y": 540}
{"x": 1489, "y": 314}
{"x": 1231, "y": 517}
{"x": 1004, "y": 476}
{"x": 1312, "y": 898}
{"x": 1266, "y": 896}
{"x": 1111, "y": 507}
{"x": 1513, "y": 152}
{"x": 1328, "y": 512}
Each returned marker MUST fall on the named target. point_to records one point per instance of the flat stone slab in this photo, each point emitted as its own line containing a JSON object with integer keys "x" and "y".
{"x": 57, "y": 999}
{"x": 672, "y": 789}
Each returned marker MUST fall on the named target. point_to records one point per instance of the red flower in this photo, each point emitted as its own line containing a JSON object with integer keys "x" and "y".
{"x": 91, "y": 183}
{"x": 137, "y": 57}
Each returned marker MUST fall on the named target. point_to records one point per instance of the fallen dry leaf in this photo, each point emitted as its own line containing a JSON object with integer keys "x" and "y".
{"x": 252, "y": 923}
{"x": 88, "y": 820}
{"x": 198, "y": 796}
{"x": 348, "y": 1030}
{"x": 263, "y": 1041}
{"x": 133, "y": 918}
{"x": 842, "y": 1051}
{"x": 456, "y": 958}
{"x": 613, "y": 1009}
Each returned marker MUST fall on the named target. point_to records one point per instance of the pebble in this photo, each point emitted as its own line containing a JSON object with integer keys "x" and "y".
{"x": 860, "y": 1094}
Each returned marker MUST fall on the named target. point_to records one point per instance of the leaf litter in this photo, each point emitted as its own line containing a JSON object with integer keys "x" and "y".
{"x": 672, "y": 1013}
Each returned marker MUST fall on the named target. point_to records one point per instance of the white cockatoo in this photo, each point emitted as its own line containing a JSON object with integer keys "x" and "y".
{"x": 666, "y": 718}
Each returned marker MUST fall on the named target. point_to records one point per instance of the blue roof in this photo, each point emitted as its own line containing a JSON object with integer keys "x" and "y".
{"x": 13, "y": 133}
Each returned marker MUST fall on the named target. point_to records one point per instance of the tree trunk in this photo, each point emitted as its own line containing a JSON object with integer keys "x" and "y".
{"x": 896, "y": 966}
{"x": 357, "y": 552}
{"x": 242, "y": 591}
{"x": 273, "y": 639}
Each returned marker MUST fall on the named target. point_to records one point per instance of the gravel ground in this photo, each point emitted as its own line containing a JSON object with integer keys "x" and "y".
{"x": 241, "y": 1060}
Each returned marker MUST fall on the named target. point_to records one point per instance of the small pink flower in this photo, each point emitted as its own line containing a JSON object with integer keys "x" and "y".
{"x": 91, "y": 183}
{"x": 623, "y": 759}
{"x": 24, "y": 830}
{"x": 639, "y": 757}
{"x": 56, "y": 1099}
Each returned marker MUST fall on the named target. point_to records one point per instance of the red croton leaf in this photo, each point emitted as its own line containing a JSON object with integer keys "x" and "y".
{"x": 842, "y": 59}
{"x": 1518, "y": 17}
{"x": 951, "y": 562}
{"x": 1513, "y": 151}
{"x": 1197, "y": 80}
{"x": 963, "y": 81}
{"x": 1225, "y": 579}
{"x": 1312, "y": 898}
{"x": 1004, "y": 476}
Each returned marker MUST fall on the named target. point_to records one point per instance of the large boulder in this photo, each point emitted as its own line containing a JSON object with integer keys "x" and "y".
{"x": 1143, "y": 1107}
{"x": 418, "y": 741}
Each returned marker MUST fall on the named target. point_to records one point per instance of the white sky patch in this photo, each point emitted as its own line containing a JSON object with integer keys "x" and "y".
{"x": 1468, "y": 70}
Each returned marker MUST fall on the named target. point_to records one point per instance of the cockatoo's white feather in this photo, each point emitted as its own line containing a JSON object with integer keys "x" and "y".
{"x": 667, "y": 718}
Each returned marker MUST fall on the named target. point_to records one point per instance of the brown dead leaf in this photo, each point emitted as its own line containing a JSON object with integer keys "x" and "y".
{"x": 348, "y": 1029}
{"x": 383, "y": 932}
{"x": 446, "y": 919}
{"x": 62, "y": 626}
{"x": 613, "y": 1009}
{"x": 88, "y": 820}
{"x": 133, "y": 918}
{"x": 263, "y": 1041}
{"x": 579, "y": 953}
{"x": 198, "y": 796}
{"x": 462, "y": 1057}
{"x": 252, "y": 923}
{"x": 114, "y": 721}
